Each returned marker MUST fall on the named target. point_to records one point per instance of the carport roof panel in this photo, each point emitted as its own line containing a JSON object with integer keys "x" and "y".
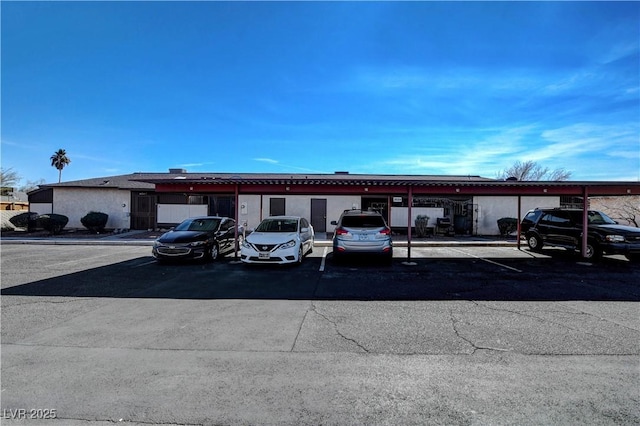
{"x": 470, "y": 184}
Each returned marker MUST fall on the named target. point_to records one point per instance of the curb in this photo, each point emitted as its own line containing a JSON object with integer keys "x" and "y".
{"x": 143, "y": 243}
{"x": 71, "y": 242}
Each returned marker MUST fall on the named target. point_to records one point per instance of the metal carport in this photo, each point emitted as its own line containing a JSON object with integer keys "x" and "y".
{"x": 390, "y": 185}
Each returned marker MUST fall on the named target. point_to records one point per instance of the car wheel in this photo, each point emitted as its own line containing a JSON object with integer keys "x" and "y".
{"x": 534, "y": 242}
{"x": 214, "y": 252}
{"x": 593, "y": 251}
{"x": 311, "y": 247}
{"x": 300, "y": 254}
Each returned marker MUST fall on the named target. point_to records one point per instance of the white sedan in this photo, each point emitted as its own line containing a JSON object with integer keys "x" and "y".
{"x": 278, "y": 239}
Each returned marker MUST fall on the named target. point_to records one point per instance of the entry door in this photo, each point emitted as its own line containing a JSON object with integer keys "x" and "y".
{"x": 319, "y": 214}
{"x": 143, "y": 210}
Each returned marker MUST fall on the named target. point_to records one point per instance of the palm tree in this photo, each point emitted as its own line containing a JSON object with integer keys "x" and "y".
{"x": 59, "y": 160}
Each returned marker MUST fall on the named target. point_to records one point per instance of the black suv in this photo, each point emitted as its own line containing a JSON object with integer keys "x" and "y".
{"x": 563, "y": 228}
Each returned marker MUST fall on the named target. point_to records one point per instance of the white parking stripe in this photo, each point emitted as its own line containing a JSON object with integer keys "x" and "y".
{"x": 144, "y": 264}
{"x": 486, "y": 260}
{"x": 324, "y": 259}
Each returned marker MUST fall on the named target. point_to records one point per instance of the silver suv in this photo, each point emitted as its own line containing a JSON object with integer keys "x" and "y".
{"x": 360, "y": 231}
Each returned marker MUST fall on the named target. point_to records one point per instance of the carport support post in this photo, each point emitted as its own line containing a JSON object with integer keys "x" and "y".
{"x": 585, "y": 220}
{"x": 410, "y": 202}
{"x": 236, "y": 217}
{"x": 519, "y": 219}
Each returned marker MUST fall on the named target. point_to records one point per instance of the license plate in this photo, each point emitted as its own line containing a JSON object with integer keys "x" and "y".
{"x": 263, "y": 255}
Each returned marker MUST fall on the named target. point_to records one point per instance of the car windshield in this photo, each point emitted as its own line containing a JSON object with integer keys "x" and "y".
{"x": 364, "y": 221}
{"x": 599, "y": 218}
{"x": 278, "y": 225}
{"x": 202, "y": 225}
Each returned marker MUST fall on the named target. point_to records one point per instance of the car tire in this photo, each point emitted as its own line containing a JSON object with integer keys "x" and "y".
{"x": 214, "y": 252}
{"x": 300, "y": 255}
{"x": 594, "y": 252}
{"x": 534, "y": 242}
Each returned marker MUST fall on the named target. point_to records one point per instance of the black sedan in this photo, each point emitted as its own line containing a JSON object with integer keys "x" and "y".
{"x": 204, "y": 238}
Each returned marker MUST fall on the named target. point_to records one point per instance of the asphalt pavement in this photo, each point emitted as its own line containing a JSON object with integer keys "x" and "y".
{"x": 462, "y": 335}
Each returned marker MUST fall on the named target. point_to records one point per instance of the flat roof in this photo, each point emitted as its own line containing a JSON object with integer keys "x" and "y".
{"x": 342, "y": 182}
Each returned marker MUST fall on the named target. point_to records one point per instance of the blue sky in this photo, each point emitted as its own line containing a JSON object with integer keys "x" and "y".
{"x": 302, "y": 87}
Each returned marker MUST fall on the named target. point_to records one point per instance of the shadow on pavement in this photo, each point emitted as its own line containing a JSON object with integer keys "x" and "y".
{"x": 561, "y": 277}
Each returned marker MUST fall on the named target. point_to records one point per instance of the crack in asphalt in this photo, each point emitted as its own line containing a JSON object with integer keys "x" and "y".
{"x": 335, "y": 326}
{"x": 475, "y": 346}
{"x": 543, "y": 319}
{"x": 304, "y": 318}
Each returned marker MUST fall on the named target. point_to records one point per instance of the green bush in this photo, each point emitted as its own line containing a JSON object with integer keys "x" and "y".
{"x": 95, "y": 221}
{"x": 507, "y": 225}
{"x": 54, "y": 223}
{"x": 24, "y": 220}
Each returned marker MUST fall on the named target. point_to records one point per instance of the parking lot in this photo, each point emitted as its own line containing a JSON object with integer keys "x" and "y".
{"x": 456, "y": 335}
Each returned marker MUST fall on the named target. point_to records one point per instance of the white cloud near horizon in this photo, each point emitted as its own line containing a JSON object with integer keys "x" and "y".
{"x": 266, "y": 160}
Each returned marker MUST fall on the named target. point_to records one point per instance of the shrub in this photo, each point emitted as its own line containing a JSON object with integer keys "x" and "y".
{"x": 507, "y": 225}
{"x": 95, "y": 221}
{"x": 24, "y": 220}
{"x": 54, "y": 223}
{"x": 421, "y": 225}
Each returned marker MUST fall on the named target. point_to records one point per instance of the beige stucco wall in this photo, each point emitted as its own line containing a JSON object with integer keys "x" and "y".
{"x": 41, "y": 208}
{"x": 75, "y": 203}
{"x": 249, "y": 210}
{"x": 492, "y": 208}
{"x": 176, "y": 213}
{"x": 295, "y": 205}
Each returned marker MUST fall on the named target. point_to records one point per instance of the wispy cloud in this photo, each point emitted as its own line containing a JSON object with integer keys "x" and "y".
{"x": 286, "y": 167}
{"x": 9, "y": 143}
{"x": 487, "y": 155}
{"x": 266, "y": 160}
{"x": 195, "y": 165}
{"x": 573, "y": 140}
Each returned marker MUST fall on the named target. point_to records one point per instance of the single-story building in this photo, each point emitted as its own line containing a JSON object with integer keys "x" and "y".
{"x": 470, "y": 204}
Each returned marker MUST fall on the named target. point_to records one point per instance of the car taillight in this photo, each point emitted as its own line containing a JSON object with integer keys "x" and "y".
{"x": 341, "y": 231}
{"x": 386, "y": 231}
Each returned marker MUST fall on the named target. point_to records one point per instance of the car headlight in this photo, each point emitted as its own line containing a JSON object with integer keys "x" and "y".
{"x": 288, "y": 244}
{"x": 197, "y": 243}
{"x": 614, "y": 238}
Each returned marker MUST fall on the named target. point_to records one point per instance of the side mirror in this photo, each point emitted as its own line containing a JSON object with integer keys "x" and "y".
{"x": 335, "y": 223}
